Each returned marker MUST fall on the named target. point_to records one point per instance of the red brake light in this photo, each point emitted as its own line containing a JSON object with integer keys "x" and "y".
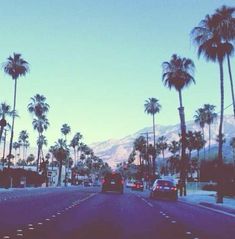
{"x": 174, "y": 188}
{"x": 103, "y": 181}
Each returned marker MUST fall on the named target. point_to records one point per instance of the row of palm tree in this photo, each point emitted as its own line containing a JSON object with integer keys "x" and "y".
{"x": 214, "y": 38}
{"x": 203, "y": 116}
{"x": 38, "y": 108}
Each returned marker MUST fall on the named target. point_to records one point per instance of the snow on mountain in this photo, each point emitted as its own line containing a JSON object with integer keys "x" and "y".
{"x": 115, "y": 151}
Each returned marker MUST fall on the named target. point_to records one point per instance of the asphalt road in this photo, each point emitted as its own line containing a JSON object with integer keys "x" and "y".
{"x": 86, "y": 213}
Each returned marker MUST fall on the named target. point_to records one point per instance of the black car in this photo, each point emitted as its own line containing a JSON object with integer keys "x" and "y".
{"x": 138, "y": 185}
{"x": 163, "y": 188}
{"x": 112, "y": 182}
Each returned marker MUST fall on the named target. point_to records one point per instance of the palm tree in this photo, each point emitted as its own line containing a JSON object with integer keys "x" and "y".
{"x": 213, "y": 48}
{"x": 174, "y": 148}
{"x": 38, "y": 105}
{"x": 40, "y": 125}
{"x": 5, "y": 110}
{"x": 200, "y": 118}
{"x": 140, "y": 145}
{"x": 210, "y": 118}
{"x": 40, "y": 142}
{"x": 74, "y": 144}
{"x": 65, "y": 130}
{"x": 15, "y": 67}
{"x": 178, "y": 74}
{"x": 15, "y": 146}
{"x": 61, "y": 152}
{"x": 162, "y": 145}
{"x": 190, "y": 141}
{"x": 225, "y": 25}
{"x": 23, "y": 138}
{"x": 152, "y": 106}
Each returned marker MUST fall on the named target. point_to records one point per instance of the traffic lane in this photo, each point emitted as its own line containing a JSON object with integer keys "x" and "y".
{"x": 110, "y": 215}
{"x": 203, "y": 222}
{"x": 18, "y": 212}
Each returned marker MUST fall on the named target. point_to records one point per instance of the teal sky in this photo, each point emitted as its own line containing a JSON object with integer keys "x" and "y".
{"x": 97, "y": 61}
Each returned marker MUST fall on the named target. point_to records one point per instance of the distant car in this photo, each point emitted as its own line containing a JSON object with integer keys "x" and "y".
{"x": 129, "y": 184}
{"x": 163, "y": 188}
{"x": 138, "y": 185}
{"x": 112, "y": 182}
{"x": 87, "y": 183}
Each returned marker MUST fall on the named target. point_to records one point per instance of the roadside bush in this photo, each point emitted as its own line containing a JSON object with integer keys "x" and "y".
{"x": 228, "y": 188}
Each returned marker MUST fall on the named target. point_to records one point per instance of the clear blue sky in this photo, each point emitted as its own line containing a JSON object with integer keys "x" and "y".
{"x": 97, "y": 61}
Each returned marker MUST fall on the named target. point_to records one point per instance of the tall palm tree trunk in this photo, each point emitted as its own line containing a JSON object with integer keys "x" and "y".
{"x": 183, "y": 165}
{"x": 12, "y": 125}
{"x": 4, "y": 148}
{"x": 204, "y": 147}
{"x": 231, "y": 83}
{"x": 38, "y": 156}
{"x": 154, "y": 146}
{"x": 220, "y": 147}
{"x": 59, "y": 176}
{"x": 3, "y": 121}
{"x": 209, "y": 140}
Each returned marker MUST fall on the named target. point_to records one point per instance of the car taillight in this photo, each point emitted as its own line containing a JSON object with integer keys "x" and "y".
{"x": 103, "y": 181}
{"x": 158, "y": 187}
{"x": 173, "y": 188}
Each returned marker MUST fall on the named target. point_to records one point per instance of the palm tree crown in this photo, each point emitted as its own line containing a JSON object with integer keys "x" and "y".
{"x": 209, "y": 41}
{"x": 178, "y": 72}
{"x": 65, "y": 130}
{"x": 38, "y": 105}
{"x": 16, "y": 66}
{"x": 152, "y": 106}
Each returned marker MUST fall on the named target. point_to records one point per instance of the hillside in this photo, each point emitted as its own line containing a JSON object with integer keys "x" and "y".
{"x": 116, "y": 151}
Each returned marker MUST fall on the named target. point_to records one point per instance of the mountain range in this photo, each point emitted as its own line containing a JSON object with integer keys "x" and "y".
{"x": 114, "y": 151}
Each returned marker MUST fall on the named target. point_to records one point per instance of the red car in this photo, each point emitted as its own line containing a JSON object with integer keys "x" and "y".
{"x": 138, "y": 185}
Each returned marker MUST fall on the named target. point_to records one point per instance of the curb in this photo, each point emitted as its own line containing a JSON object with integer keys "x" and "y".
{"x": 209, "y": 206}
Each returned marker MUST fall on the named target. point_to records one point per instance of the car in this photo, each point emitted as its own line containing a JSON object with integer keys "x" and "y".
{"x": 87, "y": 183}
{"x": 138, "y": 185}
{"x": 113, "y": 182}
{"x": 129, "y": 184}
{"x": 163, "y": 188}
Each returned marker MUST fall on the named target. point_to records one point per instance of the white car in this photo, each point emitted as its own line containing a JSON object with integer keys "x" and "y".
{"x": 129, "y": 184}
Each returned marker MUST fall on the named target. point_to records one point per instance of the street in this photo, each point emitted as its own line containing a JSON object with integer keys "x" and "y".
{"x": 86, "y": 213}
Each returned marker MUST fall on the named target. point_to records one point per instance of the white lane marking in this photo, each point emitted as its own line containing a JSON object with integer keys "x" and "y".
{"x": 167, "y": 216}
{"x": 150, "y": 204}
{"x": 19, "y": 234}
{"x": 6, "y": 237}
{"x": 173, "y": 222}
{"x": 31, "y": 228}
{"x": 40, "y": 223}
{"x": 19, "y": 230}
{"x": 188, "y": 233}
